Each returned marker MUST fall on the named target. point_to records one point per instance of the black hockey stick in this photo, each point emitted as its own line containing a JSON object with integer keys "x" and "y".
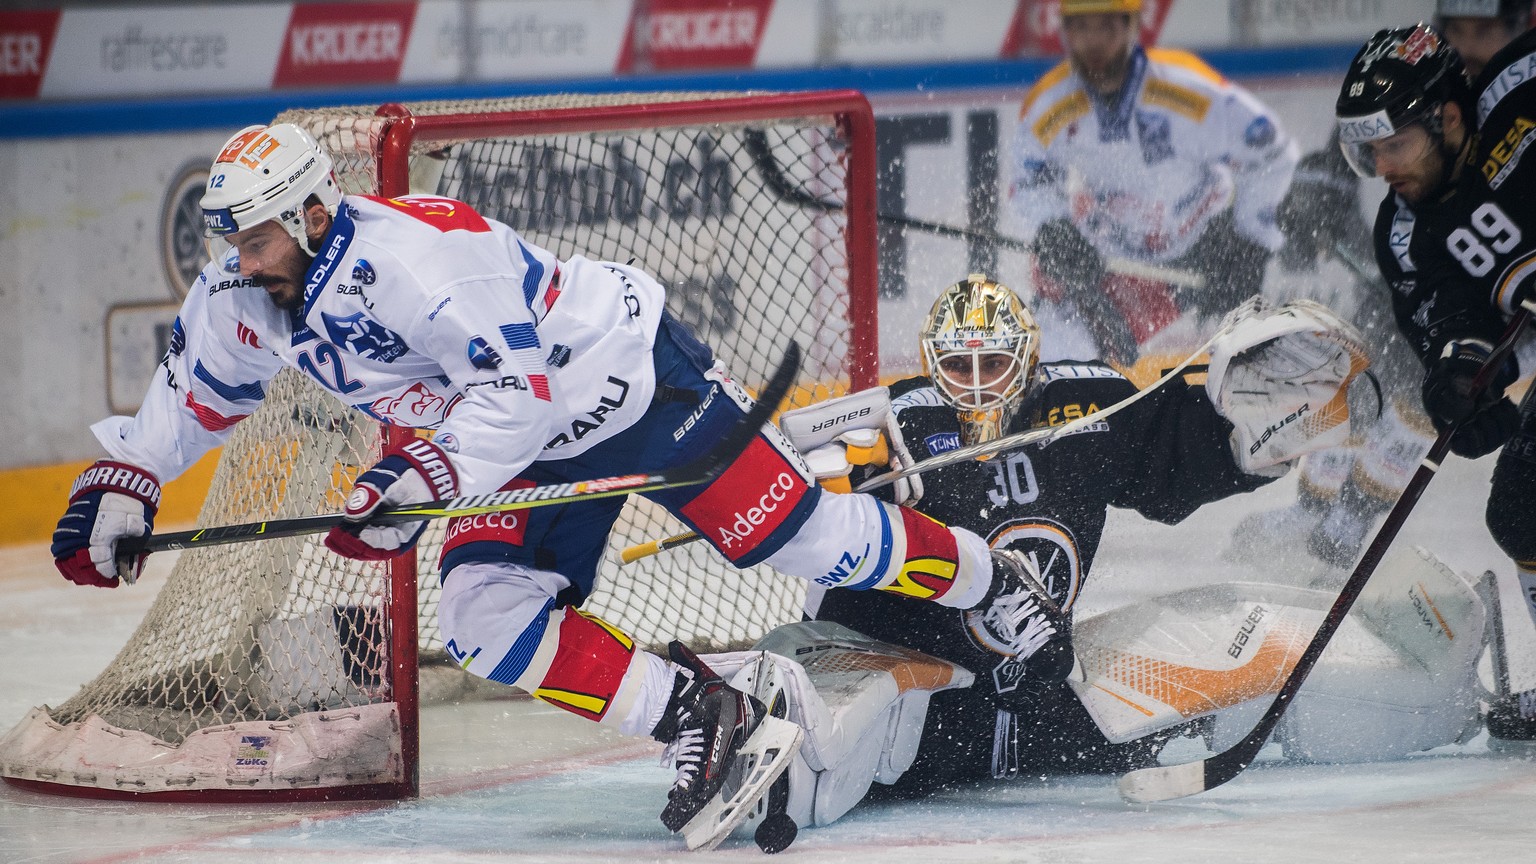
{"x": 1166, "y": 782}
{"x": 701, "y": 470}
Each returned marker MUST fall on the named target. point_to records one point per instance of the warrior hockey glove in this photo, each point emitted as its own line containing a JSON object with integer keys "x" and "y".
{"x": 1447, "y": 387}
{"x": 1065, "y": 257}
{"x": 415, "y": 472}
{"x": 109, "y": 501}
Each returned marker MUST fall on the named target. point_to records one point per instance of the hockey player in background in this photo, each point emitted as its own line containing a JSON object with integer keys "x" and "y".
{"x": 422, "y": 313}
{"x": 1455, "y": 239}
{"x": 1479, "y": 29}
{"x": 1141, "y": 156}
{"x": 1166, "y": 454}
{"x": 1342, "y": 492}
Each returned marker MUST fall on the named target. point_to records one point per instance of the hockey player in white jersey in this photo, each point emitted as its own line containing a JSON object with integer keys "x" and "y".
{"x": 531, "y": 370}
{"x": 1146, "y": 156}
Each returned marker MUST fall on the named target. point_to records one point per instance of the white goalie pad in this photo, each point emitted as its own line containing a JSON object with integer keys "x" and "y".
{"x": 1398, "y": 677}
{"x": 816, "y": 425}
{"x": 861, "y": 702}
{"x": 1281, "y": 376}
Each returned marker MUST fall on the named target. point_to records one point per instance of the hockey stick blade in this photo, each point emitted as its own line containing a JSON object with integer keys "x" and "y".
{"x": 701, "y": 470}
{"x": 1166, "y": 782}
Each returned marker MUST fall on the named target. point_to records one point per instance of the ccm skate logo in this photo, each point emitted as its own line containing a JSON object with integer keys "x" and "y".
{"x": 1245, "y": 633}
{"x": 118, "y": 478}
{"x": 747, "y": 522}
{"x": 429, "y": 461}
{"x": 839, "y": 420}
{"x": 1270, "y": 432}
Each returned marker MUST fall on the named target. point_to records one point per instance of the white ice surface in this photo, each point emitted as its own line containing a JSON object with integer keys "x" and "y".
{"x": 518, "y": 781}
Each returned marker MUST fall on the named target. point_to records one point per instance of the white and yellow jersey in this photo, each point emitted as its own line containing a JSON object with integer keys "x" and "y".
{"x": 1142, "y": 178}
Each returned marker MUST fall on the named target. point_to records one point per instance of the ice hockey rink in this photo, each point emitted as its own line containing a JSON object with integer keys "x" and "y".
{"x": 515, "y": 780}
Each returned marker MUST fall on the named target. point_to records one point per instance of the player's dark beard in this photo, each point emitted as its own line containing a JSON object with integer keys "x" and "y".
{"x": 286, "y": 300}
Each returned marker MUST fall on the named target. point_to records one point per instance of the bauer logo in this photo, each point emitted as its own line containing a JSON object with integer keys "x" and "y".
{"x": 482, "y": 355}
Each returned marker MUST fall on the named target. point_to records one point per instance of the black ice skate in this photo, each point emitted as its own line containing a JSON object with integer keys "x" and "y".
{"x": 726, "y": 748}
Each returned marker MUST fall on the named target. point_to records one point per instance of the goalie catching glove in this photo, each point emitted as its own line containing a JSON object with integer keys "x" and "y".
{"x": 1281, "y": 377}
{"x": 415, "y": 472}
{"x": 853, "y": 430}
{"x": 109, "y": 501}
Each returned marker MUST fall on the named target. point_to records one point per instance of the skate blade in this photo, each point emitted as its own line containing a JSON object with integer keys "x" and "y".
{"x": 771, "y": 746}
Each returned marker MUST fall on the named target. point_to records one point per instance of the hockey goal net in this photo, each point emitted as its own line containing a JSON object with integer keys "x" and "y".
{"x": 274, "y": 669}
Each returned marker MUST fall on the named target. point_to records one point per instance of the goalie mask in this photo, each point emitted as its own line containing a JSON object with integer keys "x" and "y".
{"x": 262, "y": 173}
{"x": 980, "y": 345}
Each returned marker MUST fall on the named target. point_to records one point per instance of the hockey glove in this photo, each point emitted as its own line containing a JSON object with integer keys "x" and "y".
{"x": 1447, "y": 391}
{"x": 1067, "y": 258}
{"x": 109, "y": 501}
{"x": 415, "y": 472}
{"x": 1486, "y": 431}
{"x": 1319, "y": 209}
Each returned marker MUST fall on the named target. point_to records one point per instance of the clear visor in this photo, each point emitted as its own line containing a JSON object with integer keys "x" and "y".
{"x": 1373, "y": 146}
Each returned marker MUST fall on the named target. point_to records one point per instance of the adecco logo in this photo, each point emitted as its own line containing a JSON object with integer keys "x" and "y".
{"x": 346, "y": 43}
{"x": 26, "y": 38}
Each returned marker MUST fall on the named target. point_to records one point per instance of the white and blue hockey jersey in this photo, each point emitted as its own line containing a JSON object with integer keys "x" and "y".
{"x": 418, "y": 312}
{"x": 1141, "y": 178}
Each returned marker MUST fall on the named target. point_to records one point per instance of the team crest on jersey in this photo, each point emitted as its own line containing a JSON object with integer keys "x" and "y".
{"x": 1260, "y": 133}
{"x": 482, "y": 355}
{"x": 364, "y": 337}
{"x": 1156, "y": 136}
{"x": 362, "y": 272}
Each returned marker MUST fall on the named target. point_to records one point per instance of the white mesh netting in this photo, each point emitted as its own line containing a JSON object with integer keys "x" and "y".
{"x": 275, "y": 629}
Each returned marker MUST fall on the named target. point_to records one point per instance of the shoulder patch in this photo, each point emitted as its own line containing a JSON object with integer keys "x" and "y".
{"x": 922, "y": 397}
{"x": 1176, "y": 98}
{"x": 1072, "y": 107}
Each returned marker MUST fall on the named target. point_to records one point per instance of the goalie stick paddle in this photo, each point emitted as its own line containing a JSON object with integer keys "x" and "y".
{"x": 1166, "y": 782}
{"x": 700, "y": 470}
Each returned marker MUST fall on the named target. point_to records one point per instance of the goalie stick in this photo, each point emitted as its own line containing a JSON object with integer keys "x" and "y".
{"x": 701, "y": 470}
{"x": 975, "y": 451}
{"x": 1166, "y": 782}
{"x": 772, "y": 172}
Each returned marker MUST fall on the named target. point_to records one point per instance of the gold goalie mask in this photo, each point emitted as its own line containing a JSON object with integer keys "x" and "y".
{"x": 980, "y": 345}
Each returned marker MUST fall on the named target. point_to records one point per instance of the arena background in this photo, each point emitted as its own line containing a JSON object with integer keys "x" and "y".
{"x": 109, "y": 116}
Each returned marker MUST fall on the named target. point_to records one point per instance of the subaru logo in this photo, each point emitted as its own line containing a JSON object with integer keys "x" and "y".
{"x": 362, "y": 272}
{"x": 482, "y": 355}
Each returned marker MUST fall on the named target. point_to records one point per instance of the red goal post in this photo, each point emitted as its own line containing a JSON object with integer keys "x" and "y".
{"x": 275, "y": 671}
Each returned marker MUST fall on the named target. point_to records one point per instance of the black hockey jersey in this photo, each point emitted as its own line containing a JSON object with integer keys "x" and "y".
{"x": 1163, "y": 456}
{"x": 1456, "y": 260}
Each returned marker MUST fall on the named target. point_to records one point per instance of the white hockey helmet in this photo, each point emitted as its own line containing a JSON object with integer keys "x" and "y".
{"x": 985, "y": 323}
{"x": 262, "y": 173}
